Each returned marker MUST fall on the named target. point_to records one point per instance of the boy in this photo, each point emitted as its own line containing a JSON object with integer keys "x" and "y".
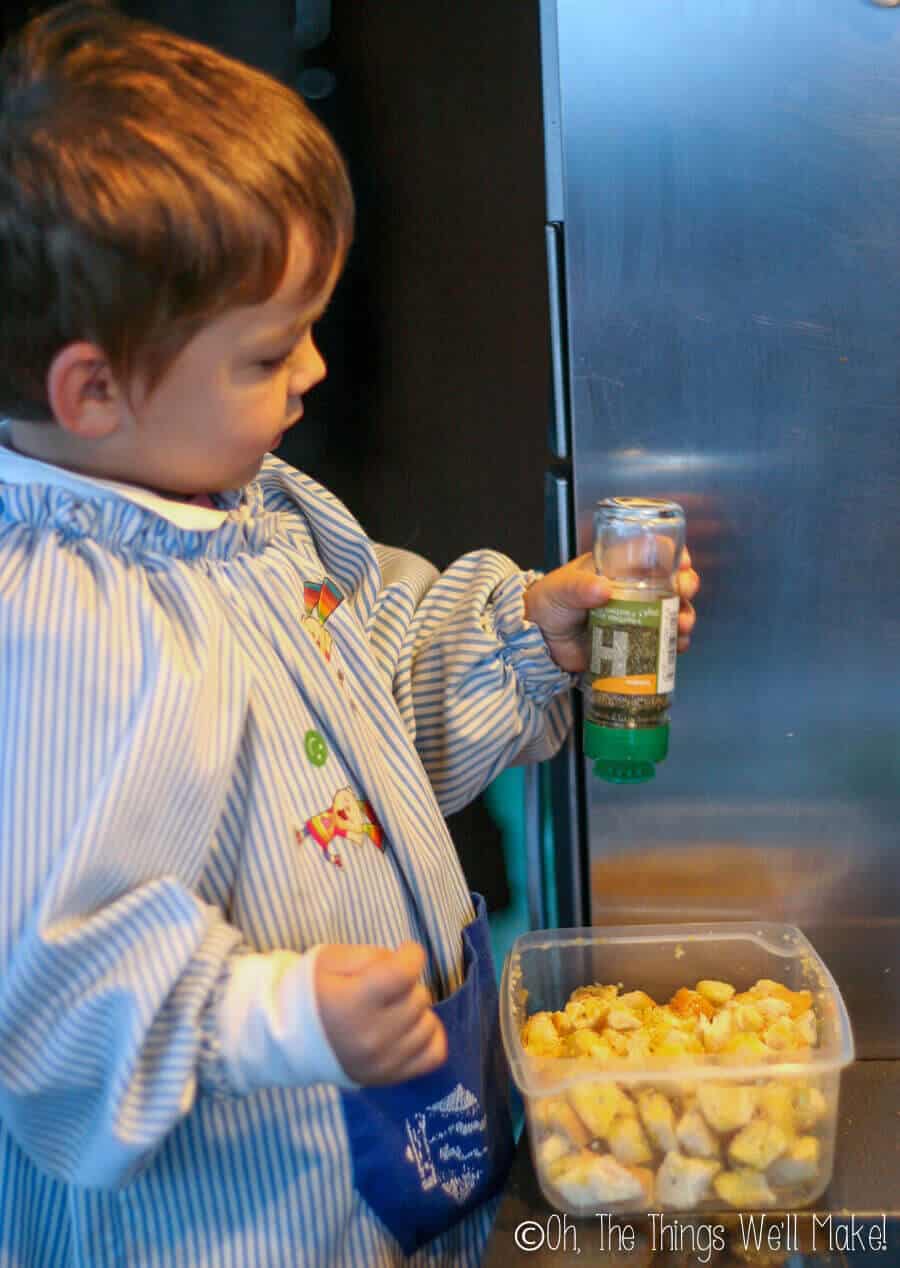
{"x": 247, "y": 1011}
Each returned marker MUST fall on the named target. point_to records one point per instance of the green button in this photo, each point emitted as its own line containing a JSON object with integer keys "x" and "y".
{"x": 316, "y": 748}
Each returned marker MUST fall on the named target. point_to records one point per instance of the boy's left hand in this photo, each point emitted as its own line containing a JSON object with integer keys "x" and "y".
{"x": 560, "y": 601}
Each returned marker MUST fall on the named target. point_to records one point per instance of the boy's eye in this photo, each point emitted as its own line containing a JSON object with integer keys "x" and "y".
{"x": 274, "y": 363}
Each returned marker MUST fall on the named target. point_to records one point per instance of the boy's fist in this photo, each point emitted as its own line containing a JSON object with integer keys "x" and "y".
{"x": 560, "y": 601}
{"x": 377, "y": 1014}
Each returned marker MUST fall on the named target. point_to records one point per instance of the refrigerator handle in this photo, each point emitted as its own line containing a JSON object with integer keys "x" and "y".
{"x": 560, "y": 791}
{"x": 559, "y": 429}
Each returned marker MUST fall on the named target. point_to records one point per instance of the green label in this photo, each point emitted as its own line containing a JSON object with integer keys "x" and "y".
{"x": 622, "y": 612}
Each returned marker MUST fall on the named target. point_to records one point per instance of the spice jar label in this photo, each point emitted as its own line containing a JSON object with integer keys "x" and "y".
{"x": 633, "y": 646}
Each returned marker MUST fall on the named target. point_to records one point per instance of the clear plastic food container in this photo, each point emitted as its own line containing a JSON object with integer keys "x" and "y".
{"x": 727, "y": 1128}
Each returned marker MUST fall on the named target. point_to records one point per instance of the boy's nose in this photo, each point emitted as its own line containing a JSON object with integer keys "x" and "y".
{"x": 308, "y": 370}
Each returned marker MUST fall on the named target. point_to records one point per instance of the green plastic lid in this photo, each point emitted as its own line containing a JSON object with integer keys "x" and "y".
{"x": 625, "y": 755}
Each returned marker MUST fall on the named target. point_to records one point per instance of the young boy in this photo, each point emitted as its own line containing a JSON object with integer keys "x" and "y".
{"x": 247, "y": 1010}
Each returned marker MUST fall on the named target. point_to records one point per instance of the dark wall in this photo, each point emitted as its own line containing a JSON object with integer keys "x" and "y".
{"x": 437, "y": 437}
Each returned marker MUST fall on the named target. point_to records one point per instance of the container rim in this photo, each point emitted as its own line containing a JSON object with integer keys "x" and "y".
{"x": 787, "y": 941}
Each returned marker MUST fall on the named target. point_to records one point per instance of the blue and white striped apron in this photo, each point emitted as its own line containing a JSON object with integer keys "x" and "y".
{"x": 192, "y": 735}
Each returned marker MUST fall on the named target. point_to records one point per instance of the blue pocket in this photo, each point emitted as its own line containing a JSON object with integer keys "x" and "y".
{"x": 428, "y": 1151}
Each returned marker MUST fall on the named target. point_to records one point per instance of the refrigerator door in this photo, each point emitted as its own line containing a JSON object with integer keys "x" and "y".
{"x": 727, "y": 182}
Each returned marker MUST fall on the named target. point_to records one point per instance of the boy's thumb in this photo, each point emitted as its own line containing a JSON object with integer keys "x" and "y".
{"x": 347, "y": 959}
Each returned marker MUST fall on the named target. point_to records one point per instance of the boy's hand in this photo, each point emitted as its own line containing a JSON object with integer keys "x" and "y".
{"x": 377, "y": 1014}
{"x": 560, "y": 601}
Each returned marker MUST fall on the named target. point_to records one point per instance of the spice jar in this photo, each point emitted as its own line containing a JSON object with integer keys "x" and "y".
{"x": 628, "y": 688}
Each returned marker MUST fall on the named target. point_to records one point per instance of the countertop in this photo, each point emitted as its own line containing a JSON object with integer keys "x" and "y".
{"x": 862, "y": 1201}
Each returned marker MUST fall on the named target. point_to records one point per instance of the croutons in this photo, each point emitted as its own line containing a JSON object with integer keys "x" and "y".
{"x": 678, "y": 1140}
{"x": 718, "y": 993}
{"x": 743, "y": 1188}
{"x": 539, "y": 1035}
{"x": 598, "y": 1104}
{"x": 586, "y": 1178}
{"x": 627, "y": 1140}
{"x": 809, "y": 1106}
{"x": 695, "y": 1137}
{"x": 799, "y": 1165}
{"x": 658, "y": 1117}
{"x": 557, "y": 1115}
{"x": 683, "y": 1182}
{"x": 757, "y": 1145}
{"x": 726, "y": 1107}
{"x": 552, "y": 1147}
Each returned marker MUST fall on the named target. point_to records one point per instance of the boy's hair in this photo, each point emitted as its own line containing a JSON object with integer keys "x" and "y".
{"x": 147, "y": 184}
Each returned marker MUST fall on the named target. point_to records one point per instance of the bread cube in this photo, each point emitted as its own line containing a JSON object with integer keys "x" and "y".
{"x": 557, "y": 1116}
{"x": 683, "y": 1182}
{"x": 695, "y": 1137}
{"x": 726, "y": 1107}
{"x": 658, "y": 1117}
{"x": 598, "y": 1104}
{"x": 757, "y": 1145}
{"x": 744, "y": 1188}
{"x": 627, "y": 1141}
{"x": 718, "y": 993}
{"x": 799, "y": 1164}
{"x": 586, "y": 1178}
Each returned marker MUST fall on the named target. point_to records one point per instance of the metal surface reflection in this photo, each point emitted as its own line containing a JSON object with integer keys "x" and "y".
{"x": 728, "y": 184}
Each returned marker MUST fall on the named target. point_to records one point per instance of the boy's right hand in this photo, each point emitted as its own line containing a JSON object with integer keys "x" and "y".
{"x": 377, "y": 1014}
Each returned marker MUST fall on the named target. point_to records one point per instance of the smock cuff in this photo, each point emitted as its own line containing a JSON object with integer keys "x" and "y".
{"x": 522, "y": 644}
{"x": 270, "y": 1033}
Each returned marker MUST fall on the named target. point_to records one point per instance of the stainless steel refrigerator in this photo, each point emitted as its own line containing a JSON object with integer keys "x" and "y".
{"x": 723, "y": 238}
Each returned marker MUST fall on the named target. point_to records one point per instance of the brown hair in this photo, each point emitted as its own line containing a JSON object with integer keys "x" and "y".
{"x": 147, "y": 184}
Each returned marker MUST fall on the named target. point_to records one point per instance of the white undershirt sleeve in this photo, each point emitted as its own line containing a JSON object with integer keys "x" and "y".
{"x": 270, "y": 1031}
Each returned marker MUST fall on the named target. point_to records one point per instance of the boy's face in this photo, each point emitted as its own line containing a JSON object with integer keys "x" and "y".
{"x": 232, "y": 392}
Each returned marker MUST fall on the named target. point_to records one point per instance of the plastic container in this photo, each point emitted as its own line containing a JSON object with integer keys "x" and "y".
{"x": 798, "y": 1091}
{"x": 638, "y": 543}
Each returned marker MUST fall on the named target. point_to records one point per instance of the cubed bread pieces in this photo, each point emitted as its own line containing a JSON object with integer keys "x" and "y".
{"x": 718, "y": 993}
{"x": 552, "y": 1147}
{"x": 556, "y": 1115}
{"x": 757, "y": 1145}
{"x": 598, "y": 1104}
{"x": 807, "y": 1027}
{"x": 743, "y": 1188}
{"x": 627, "y": 1141}
{"x": 539, "y": 1035}
{"x": 619, "y": 1018}
{"x": 695, "y": 1137}
{"x": 587, "y": 1177}
{"x": 776, "y": 1104}
{"x": 800, "y": 1164}
{"x": 693, "y": 1123}
{"x": 809, "y": 1106}
{"x": 683, "y": 1182}
{"x": 727, "y": 1107}
{"x": 584, "y": 1043}
{"x": 658, "y": 1117}
{"x": 588, "y": 1010}
{"x": 715, "y": 1034}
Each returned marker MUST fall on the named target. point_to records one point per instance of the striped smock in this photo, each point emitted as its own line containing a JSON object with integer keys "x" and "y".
{"x": 181, "y": 709}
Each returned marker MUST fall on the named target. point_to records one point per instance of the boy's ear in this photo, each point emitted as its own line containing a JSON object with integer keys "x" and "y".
{"x": 84, "y": 396}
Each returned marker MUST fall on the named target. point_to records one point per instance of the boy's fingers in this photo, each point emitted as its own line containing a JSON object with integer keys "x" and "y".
{"x": 433, "y": 1054}
{"x": 390, "y": 978}
{"x": 348, "y": 958}
{"x": 687, "y": 582}
{"x": 687, "y": 617}
{"x": 416, "y": 1039}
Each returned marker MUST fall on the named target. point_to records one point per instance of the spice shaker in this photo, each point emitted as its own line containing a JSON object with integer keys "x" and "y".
{"x": 628, "y": 688}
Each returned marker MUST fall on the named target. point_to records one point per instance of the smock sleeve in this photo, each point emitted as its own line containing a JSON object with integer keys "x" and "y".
{"x": 122, "y": 710}
{"x": 472, "y": 677}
